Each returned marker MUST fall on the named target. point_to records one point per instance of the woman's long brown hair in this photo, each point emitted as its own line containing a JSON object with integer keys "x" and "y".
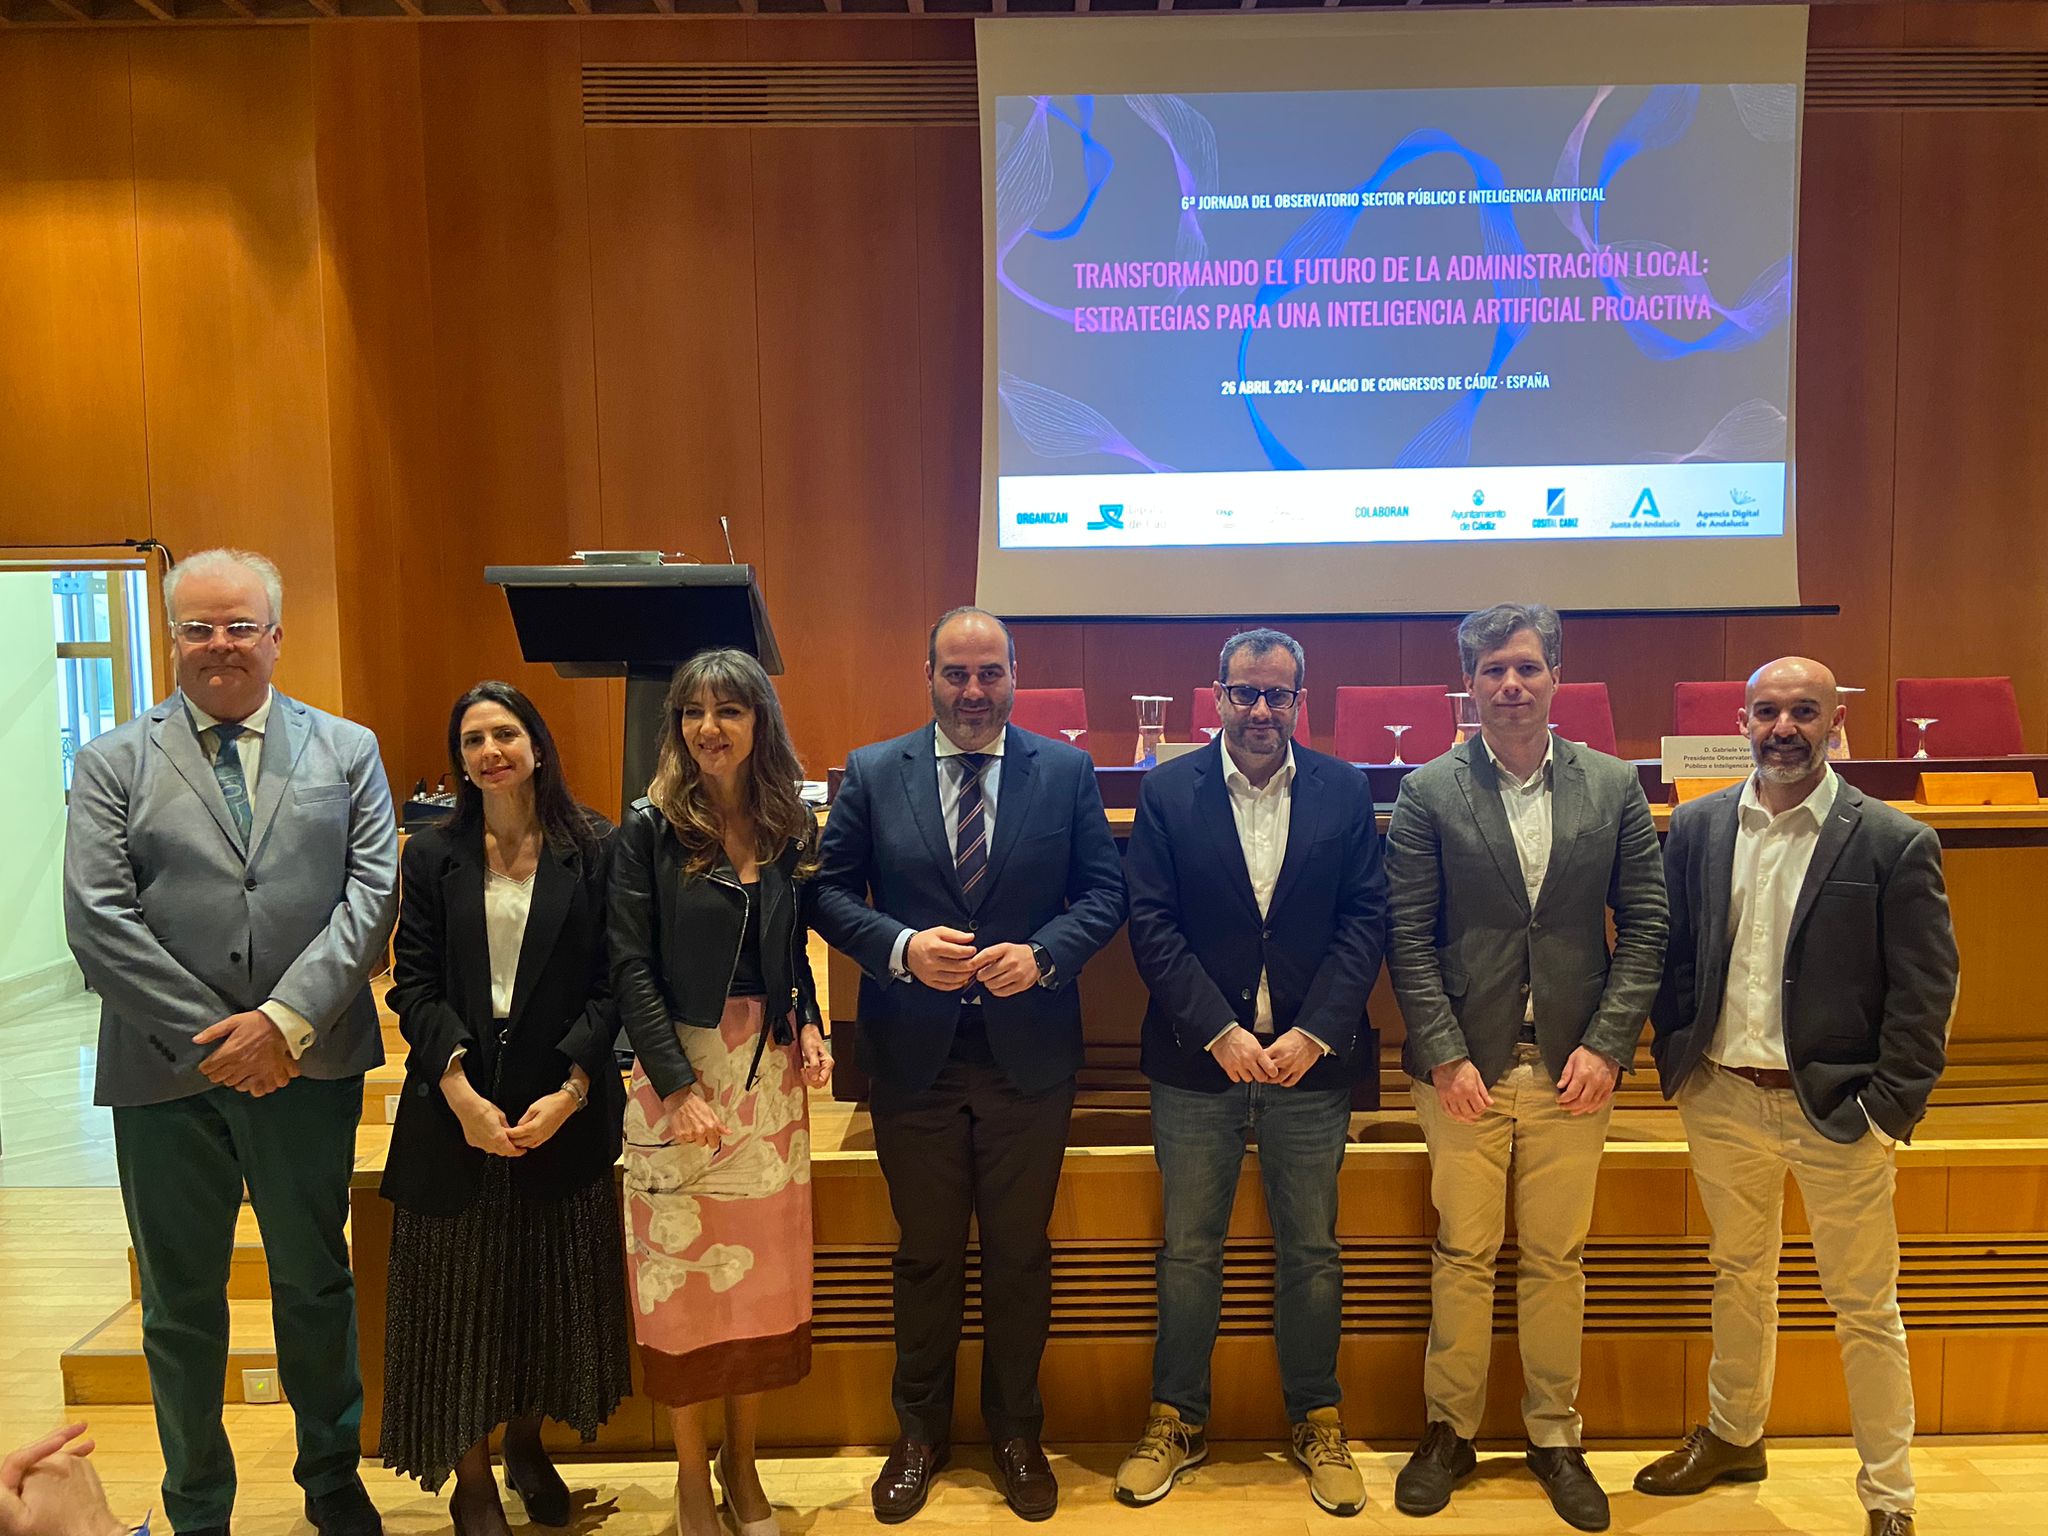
{"x": 771, "y": 772}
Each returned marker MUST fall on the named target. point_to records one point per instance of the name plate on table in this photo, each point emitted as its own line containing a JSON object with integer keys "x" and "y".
{"x": 1706, "y": 757}
{"x": 1977, "y": 789}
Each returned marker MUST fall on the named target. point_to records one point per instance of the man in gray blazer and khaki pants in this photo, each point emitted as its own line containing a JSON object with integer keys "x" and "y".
{"x": 1504, "y": 858}
{"x": 230, "y": 871}
{"x": 1802, "y": 1024}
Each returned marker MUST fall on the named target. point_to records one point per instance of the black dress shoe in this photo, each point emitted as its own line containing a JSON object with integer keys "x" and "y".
{"x": 1890, "y": 1522}
{"x": 1440, "y": 1463}
{"x": 1025, "y": 1477}
{"x": 1574, "y": 1494}
{"x": 530, "y": 1474}
{"x": 906, "y": 1479}
{"x": 344, "y": 1512}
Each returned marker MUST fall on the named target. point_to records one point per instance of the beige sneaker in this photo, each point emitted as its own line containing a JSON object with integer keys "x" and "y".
{"x": 1169, "y": 1447}
{"x": 1333, "y": 1478}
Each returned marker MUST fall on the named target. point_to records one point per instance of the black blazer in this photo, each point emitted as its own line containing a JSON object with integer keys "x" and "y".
{"x": 1054, "y": 878}
{"x": 1200, "y": 943}
{"x": 675, "y": 938}
{"x": 1870, "y": 963}
{"x": 561, "y": 1013}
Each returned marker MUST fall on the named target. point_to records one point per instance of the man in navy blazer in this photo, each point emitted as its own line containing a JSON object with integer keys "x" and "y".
{"x": 969, "y": 869}
{"x": 1258, "y": 921}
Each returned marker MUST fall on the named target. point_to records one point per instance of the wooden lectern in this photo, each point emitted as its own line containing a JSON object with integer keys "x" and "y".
{"x": 638, "y": 622}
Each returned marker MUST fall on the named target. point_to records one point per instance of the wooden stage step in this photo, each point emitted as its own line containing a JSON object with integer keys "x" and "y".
{"x": 248, "y": 1273}
{"x": 107, "y": 1366}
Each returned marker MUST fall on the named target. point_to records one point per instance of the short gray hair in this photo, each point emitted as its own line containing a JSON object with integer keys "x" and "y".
{"x": 1491, "y": 628}
{"x": 1258, "y": 642}
{"x": 217, "y": 560}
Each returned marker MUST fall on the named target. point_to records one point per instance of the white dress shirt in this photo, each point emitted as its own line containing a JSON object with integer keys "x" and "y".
{"x": 293, "y": 1025}
{"x": 1263, "y": 816}
{"x": 506, "y": 904}
{"x": 1529, "y": 804}
{"x": 949, "y": 812}
{"x": 1772, "y": 855}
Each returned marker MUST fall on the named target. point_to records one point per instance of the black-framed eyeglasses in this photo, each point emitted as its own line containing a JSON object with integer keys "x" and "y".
{"x": 241, "y": 633}
{"x": 1245, "y": 696}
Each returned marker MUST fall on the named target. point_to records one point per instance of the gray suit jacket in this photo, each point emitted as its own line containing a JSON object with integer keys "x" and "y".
{"x": 1464, "y": 947}
{"x": 1870, "y": 962}
{"x": 177, "y": 924}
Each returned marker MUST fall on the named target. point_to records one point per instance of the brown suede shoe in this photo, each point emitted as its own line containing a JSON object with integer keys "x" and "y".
{"x": 1025, "y": 1477}
{"x": 1702, "y": 1461}
{"x": 906, "y": 1478}
{"x": 1890, "y": 1522}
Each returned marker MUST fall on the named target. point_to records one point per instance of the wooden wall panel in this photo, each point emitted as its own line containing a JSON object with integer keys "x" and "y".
{"x": 71, "y": 425}
{"x": 233, "y": 355}
{"x": 377, "y": 302}
{"x": 514, "y": 363}
{"x": 948, "y": 288}
{"x": 675, "y": 319}
{"x": 1969, "y": 537}
{"x": 1846, "y": 416}
{"x": 842, "y": 449}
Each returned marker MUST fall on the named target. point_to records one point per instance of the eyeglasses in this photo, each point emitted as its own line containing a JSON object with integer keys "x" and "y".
{"x": 1245, "y": 696}
{"x": 241, "y": 634}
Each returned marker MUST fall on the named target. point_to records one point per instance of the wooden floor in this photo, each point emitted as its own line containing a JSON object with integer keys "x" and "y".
{"x": 63, "y": 1267}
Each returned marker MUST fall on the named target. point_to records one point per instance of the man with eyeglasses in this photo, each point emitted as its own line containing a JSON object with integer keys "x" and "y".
{"x": 1258, "y": 921}
{"x": 969, "y": 870}
{"x": 230, "y": 874}
{"x": 1505, "y": 857}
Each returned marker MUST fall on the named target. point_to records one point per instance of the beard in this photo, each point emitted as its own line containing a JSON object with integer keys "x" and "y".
{"x": 1788, "y": 767}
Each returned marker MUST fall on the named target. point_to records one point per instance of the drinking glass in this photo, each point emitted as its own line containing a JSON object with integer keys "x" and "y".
{"x": 1074, "y": 736}
{"x": 1923, "y": 721}
{"x": 1151, "y": 726}
{"x": 1396, "y": 731}
{"x": 1466, "y": 714}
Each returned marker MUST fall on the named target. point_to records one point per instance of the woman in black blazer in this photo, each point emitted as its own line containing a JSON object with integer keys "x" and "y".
{"x": 507, "y": 1293}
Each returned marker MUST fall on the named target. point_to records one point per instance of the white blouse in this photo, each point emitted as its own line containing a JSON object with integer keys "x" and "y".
{"x": 506, "y": 904}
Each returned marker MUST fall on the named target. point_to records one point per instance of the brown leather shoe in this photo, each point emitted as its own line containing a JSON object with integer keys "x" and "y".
{"x": 1702, "y": 1461}
{"x": 906, "y": 1478}
{"x": 1025, "y": 1477}
{"x": 1890, "y": 1522}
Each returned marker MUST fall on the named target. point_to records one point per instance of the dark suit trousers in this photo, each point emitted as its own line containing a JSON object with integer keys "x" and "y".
{"x": 183, "y": 1165}
{"x": 971, "y": 1145}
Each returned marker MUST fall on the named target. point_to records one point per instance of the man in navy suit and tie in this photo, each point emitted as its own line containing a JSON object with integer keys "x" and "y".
{"x": 969, "y": 869}
{"x": 1258, "y": 920}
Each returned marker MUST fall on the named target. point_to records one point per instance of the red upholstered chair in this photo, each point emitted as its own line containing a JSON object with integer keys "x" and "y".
{"x": 1974, "y": 716}
{"x": 1706, "y": 709}
{"x": 1581, "y": 712}
{"x": 1363, "y": 715}
{"x": 1204, "y": 715}
{"x": 1048, "y": 711}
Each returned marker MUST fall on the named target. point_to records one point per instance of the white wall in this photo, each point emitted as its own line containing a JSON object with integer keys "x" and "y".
{"x": 35, "y": 967}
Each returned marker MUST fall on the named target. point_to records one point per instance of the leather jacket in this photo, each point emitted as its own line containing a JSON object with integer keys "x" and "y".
{"x": 675, "y": 940}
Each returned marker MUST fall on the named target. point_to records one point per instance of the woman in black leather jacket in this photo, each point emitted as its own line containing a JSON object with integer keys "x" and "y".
{"x": 710, "y": 891}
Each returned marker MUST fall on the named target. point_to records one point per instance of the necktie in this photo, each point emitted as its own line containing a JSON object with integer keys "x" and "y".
{"x": 227, "y": 768}
{"x": 970, "y": 838}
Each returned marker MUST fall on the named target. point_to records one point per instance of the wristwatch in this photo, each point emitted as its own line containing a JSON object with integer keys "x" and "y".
{"x": 1045, "y": 972}
{"x": 580, "y": 1094}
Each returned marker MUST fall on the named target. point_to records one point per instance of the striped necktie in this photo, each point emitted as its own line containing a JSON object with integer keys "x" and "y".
{"x": 970, "y": 839}
{"x": 227, "y": 768}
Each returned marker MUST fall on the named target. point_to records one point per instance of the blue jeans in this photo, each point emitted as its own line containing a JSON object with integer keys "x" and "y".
{"x": 1200, "y": 1140}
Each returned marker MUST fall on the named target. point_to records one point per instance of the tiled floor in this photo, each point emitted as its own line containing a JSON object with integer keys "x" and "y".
{"x": 52, "y": 1135}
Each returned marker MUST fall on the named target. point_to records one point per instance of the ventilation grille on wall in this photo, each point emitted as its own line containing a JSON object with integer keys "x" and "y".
{"x": 928, "y": 91}
{"x": 1104, "y": 1288}
{"x": 943, "y": 90}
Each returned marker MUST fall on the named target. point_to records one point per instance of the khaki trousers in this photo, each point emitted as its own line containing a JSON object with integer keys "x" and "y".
{"x": 1555, "y": 1156}
{"x": 1743, "y": 1139}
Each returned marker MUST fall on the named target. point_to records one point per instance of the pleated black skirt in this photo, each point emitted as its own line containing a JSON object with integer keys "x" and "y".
{"x": 514, "y": 1307}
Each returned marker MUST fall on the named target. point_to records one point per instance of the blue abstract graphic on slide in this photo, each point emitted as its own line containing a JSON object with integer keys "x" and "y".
{"x": 1381, "y": 316}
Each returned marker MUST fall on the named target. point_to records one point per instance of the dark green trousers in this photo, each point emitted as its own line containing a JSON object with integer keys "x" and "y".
{"x": 183, "y": 1165}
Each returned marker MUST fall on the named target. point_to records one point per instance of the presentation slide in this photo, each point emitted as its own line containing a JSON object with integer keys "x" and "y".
{"x": 1540, "y": 314}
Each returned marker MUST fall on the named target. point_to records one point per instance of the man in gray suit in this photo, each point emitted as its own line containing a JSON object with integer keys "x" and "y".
{"x": 229, "y": 882}
{"x": 1505, "y": 856}
{"x": 1802, "y": 1024}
